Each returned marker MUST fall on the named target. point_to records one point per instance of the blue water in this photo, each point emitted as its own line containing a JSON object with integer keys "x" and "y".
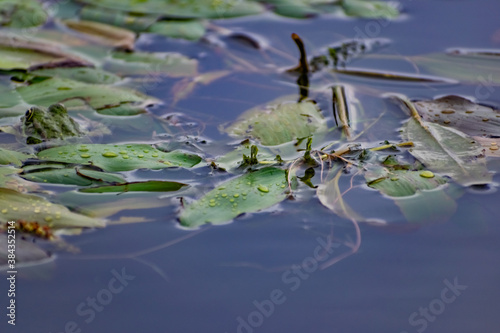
{"x": 403, "y": 278}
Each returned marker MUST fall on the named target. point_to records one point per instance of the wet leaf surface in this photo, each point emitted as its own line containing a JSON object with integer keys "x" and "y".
{"x": 119, "y": 157}
{"x": 31, "y": 208}
{"x": 149, "y": 186}
{"x": 247, "y": 193}
{"x": 279, "y": 122}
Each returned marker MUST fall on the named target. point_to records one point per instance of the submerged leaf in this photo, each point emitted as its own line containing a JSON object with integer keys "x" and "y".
{"x": 16, "y": 206}
{"x": 279, "y": 122}
{"x": 123, "y": 157}
{"x": 190, "y": 29}
{"x": 476, "y": 68}
{"x": 248, "y": 193}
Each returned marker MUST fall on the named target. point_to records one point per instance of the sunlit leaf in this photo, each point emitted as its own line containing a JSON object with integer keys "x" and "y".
{"x": 248, "y": 193}
{"x": 149, "y": 186}
{"x": 279, "y": 122}
{"x": 119, "y": 157}
{"x": 16, "y": 206}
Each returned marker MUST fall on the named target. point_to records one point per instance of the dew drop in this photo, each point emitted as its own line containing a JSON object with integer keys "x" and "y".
{"x": 84, "y": 155}
{"x": 109, "y": 154}
{"x": 125, "y": 157}
{"x": 427, "y": 174}
{"x": 4, "y": 211}
{"x": 236, "y": 195}
{"x": 263, "y": 188}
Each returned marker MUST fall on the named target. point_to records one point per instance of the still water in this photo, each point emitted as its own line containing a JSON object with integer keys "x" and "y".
{"x": 260, "y": 273}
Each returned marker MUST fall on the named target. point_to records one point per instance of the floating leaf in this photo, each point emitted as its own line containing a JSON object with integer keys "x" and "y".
{"x": 191, "y": 29}
{"x": 70, "y": 176}
{"x": 369, "y": 9}
{"x": 152, "y": 64}
{"x": 279, "y": 122}
{"x": 182, "y": 9}
{"x": 462, "y": 114}
{"x": 74, "y": 93}
{"x": 12, "y": 157}
{"x": 149, "y": 186}
{"x": 19, "y": 53}
{"x": 248, "y": 193}
{"x": 447, "y": 151}
{"x": 402, "y": 183}
{"x": 16, "y": 206}
{"x": 119, "y": 157}
{"x": 103, "y": 34}
{"x": 82, "y": 74}
{"x": 330, "y": 195}
{"x": 21, "y": 13}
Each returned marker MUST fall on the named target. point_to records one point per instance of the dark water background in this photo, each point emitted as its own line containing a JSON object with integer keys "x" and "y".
{"x": 206, "y": 282}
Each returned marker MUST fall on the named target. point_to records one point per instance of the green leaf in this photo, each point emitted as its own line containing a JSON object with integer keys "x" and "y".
{"x": 73, "y": 93}
{"x": 130, "y": 21}
{"x": 279, "y": 122}
{"x": 447, "y": 151}
{"x": 17, "y": 52}
{"x": 80, "y": 176}
{"x": 82, "y": 74}
{"x": 13, "y": 157}
{"x": 183, "y": 9}
{"x": 152, "y": 64}
{"x": 21, "y": 13}
{"x": 191, "y": 29}
{"x": 26, "y": 252}
{"x": 17, "y": 206}
{"x": 369, "y": 9}
{"x": 248, "y": 193}
{"x": 123, "y": 157}
{"x": 461, "y": 114}
{"x": 149, "y": 186}
{"x": 402, "y": 183}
